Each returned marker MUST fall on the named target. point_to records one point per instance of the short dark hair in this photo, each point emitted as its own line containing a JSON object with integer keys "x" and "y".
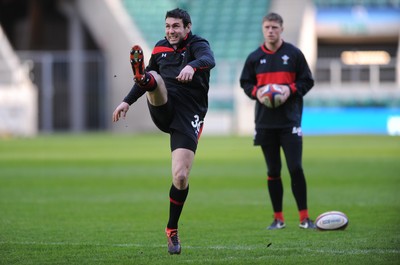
{"x": 273, "y": 17}
{"x": 179, "y": 13}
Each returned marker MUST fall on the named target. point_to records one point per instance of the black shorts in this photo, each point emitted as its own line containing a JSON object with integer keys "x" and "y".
{"x": 277, "y": 136}
{"x": 182, "y": 123}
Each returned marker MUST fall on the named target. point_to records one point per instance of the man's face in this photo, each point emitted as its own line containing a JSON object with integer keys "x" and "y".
{"x": 175, "y": 31}
{"x": 272, "y": 31}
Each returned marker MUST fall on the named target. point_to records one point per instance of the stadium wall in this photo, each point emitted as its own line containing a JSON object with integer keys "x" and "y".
{"x": 115, "y": 33}
{"x": 18, "y": 95}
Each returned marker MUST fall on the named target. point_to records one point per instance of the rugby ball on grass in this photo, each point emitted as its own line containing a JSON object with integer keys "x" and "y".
{"x": 333, "y": 220}
{"x": 272, "y": 95}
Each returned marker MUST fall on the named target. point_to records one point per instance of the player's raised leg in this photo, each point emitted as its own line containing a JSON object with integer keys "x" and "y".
{"x": 150, "y": 81}
{"x": 158, "y": 96}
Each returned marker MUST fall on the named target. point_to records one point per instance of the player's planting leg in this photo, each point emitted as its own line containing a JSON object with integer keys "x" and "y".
{"x": 182, "y": 160}
{"x": 275, "y": 189}
{"x": 177, "y": 199}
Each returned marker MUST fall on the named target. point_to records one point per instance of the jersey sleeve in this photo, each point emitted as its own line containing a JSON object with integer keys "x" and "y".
{"x": 204, "y": 57}
{"x": 248, "y": 79}
{"x": 304, "y": 80}
{"x": 134, "y": 94}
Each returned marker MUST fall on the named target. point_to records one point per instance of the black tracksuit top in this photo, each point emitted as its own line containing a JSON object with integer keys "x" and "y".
{"x": 168, "y": 62}
{"x": 286, "y": 66}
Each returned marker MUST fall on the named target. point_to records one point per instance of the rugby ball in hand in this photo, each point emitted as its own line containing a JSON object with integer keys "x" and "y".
{"x": 271, "y": 95}
{"x": 333, "y": 220}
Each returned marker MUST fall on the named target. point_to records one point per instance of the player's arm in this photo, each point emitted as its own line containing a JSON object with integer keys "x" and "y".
{"x": 248, "y": 80}
{"x": 304, "y": 80}
{"x": 303, "y": 83}
{"x": 204, "y": 60}
{"x": 133, "y": 95}
{"x": 204, "y": 57}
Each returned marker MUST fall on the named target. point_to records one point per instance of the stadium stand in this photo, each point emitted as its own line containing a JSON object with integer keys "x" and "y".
{"x": 356, "y": 25}
{"x": 372, "y": 3}
{"x": 150, "y": 17}
{"x": 232, "y": 27}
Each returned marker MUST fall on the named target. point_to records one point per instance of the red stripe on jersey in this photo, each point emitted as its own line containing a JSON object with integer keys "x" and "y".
{"x": 160, "y": 49}
{"x": 275, "y": 78}
{"x": 200, "y": 131}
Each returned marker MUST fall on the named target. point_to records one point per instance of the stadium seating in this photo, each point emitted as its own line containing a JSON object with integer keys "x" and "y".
{"x": 371, "y": 3}
{"x": 232, "y": 27}
{"x": 150, "y": 17}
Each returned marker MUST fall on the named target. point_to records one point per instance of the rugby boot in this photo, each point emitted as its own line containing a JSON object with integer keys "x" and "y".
{"x": 137, "y": 63}
{"x": 174, "y": 244}
{"x": 307, "y": 224}
{"x": 276, "y": 224}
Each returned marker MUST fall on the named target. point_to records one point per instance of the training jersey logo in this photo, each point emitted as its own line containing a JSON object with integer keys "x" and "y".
{"x": 197, "y": 124}
{"x": 285, "y": 59}
{"x": 297, "y": 130}
{"x": 163, "y": 55}
{"x": 263, "y": 61}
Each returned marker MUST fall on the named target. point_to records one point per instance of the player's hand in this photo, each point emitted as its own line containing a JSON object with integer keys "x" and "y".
{"x": 120, "y": 111}
{"x": 286, "y": 92}
{"x": 186, "y": 75}
{"x": 259, "y": 95}
{"x": 283, "y": 90}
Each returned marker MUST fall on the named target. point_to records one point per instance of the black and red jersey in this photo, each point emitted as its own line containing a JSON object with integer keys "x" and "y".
{"x": 286, "y": 66}
{"x": 168, "y": 62}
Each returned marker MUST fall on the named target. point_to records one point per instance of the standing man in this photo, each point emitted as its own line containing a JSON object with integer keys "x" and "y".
{"x": 279, "y": 62}
{"x": 176, "y": 83}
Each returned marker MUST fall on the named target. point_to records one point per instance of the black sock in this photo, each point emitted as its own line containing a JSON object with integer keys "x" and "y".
{"x": 149, "y": 83}
{"x": 177, "y": 199}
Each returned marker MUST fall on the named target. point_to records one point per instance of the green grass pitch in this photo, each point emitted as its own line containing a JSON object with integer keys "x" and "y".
{"x": 103, "y": 199}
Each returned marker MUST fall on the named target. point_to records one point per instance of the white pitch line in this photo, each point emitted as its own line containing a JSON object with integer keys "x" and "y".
{"x": 127, "y": 245}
